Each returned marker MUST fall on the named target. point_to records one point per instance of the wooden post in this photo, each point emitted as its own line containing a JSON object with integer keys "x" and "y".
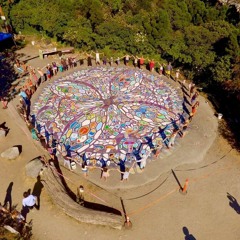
{"x": 127, "y": 223}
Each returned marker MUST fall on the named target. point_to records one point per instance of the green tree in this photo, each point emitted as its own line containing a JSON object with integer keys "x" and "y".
{"x": 78, "y": 33}
{"x": 221, "y": 69}
{"x": 114, "y": 5}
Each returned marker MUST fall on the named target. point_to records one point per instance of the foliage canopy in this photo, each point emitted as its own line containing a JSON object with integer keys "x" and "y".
{"x": 193, "y": 34}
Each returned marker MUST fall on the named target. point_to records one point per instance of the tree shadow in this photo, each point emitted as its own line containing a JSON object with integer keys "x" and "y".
{"x": 185, "y": 91}
{"x": 188, "y": 236}
{"x": 37, "y": 190}
{"x": 233, "y": 203}
{"x": 229, "y": 126}
{"x": 8, "y": 197}
{"x": 8, "y": 74}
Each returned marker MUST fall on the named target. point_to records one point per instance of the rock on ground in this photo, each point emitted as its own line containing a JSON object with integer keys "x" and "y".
{"x": 33, "y": 167}
{"x": 11, "y": 153}
{"x": 2, "y": 134}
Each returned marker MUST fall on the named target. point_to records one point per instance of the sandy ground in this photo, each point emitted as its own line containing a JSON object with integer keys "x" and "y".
{"x": 158, "y": 211}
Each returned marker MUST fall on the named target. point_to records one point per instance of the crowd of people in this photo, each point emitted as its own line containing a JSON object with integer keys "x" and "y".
{"x": 33, "y": 77}
{"x": 137, "y": 61}
{"x": 134, "y": 161}
{"x": 124, "y": 164}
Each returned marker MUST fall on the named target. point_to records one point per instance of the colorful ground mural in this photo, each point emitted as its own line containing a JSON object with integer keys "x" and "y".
{"x": 100, "y": 111}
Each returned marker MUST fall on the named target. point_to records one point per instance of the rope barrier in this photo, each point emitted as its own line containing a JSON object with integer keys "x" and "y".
{"x": 175, "y": 190}
{"x": 154, "y": 202}
{"x": 179, "y": 171}
{"x": 151, "y": 190}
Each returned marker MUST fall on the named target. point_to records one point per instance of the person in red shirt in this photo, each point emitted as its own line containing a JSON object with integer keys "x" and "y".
{"x": 151, "y": 65}
{"x": 194, "y": 110}
{"x": 141, "y": 62}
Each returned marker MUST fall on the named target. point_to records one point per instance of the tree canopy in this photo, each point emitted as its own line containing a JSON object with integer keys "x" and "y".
{"x": 193, "y": 34}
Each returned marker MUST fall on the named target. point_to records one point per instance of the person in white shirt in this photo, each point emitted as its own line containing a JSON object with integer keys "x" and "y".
{"x": 97, "y": 58}
{"x": 28, "y": 200}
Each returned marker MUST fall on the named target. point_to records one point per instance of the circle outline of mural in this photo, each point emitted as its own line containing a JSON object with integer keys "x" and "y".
{"x": 106, "y": 110}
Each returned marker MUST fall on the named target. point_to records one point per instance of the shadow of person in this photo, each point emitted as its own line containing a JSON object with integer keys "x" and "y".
{"x": 187, "y": 235}
{"x": 8, "y": 197}
{"x": 181, "y": 118}
{"x": 184, "y": 90}
{"x": 186, "y": 101}
{"x": 174, "y": 124}
{"x": 185, "y": 109}
{"x": 3, "y": 125}
{"x": 37, "y": 190}
{"x": 233, "y": 203}
{"x": 5, "y": 128}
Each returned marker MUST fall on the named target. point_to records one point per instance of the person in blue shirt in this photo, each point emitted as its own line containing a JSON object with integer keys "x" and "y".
{"x": 122, "y": 167}
{"x": 23, "y": 94}
{"x": 149, "y": 142}
{"x": 136, "y": 154}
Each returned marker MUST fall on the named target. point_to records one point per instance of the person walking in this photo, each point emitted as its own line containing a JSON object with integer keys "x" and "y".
{"x": 80, "y": 195}
{"x": 29, "y": 201}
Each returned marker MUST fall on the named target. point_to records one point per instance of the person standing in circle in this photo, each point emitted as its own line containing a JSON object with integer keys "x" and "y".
{"x": 169, "y": 69}
{"x": 97, "y": 58}
{"x": 177, "y": 75}
{"x": 126, "y": 59}
{"x": 151, "y": 65}
{"x": 141, "y": 62}
{"x": 89, "y": 60}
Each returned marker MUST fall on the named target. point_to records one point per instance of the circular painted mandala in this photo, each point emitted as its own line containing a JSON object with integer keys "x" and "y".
{"x": 106, "y": 110}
